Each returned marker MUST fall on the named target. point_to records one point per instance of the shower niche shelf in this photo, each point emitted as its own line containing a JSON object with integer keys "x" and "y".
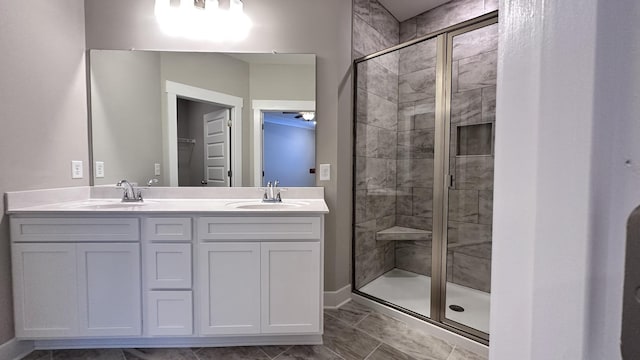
{"x": 403, "y": 233}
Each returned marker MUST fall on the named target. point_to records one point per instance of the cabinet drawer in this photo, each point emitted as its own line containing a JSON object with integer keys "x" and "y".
{"x": 258, "y": 228}
{"x": 168, "y": 229}
{"x": 168, "y": 266}
{"x": 169, "y": 313}
{"x": 74, "y": 229}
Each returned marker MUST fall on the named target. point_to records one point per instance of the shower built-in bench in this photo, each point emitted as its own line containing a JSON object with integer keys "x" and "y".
{"x": 403, "y": 233}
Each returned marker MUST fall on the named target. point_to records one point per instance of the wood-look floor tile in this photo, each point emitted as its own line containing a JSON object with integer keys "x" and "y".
{"x": 347, "y": 341}
{"x": 462, "y": 354}
{"x": 38, "y": 355}
{"x": 309, "y": 352}
{"x": 88, "y": 354}
{"x": 351, "y": 312}
{"x": 232, "y": 353}
{"x": 274, "y": 350}
{"x": 159, "y": 354}
{"x": 386, "y": 352}
{"x": 397, "y": 334}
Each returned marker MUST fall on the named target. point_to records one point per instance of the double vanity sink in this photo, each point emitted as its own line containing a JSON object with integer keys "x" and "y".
{"x": 184, "y": 267}
{"x": 197, "y": 205}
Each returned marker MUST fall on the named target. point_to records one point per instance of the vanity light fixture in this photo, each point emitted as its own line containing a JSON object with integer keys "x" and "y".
{"x": 203, "y": 20}
{"x": 308, "y": 115}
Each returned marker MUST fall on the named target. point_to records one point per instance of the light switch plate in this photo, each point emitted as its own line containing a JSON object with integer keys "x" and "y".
{"x": 156, "y": 169}
{"x": 325, "y": 172}
{"x": 99, "y": 169}
{"x": 76, "y": 169}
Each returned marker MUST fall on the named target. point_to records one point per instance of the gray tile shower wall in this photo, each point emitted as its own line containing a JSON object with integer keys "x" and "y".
{"x": 395, "y": 122}
{"x": 375, "y": 29}
{"x": 443, "y": 16}
{"x": 471, "y": 200}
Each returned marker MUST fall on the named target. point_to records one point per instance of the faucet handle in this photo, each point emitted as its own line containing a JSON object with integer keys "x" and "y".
{"x": 276, "y": 183}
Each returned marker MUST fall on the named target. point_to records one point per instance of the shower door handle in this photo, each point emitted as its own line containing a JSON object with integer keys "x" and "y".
{"x": 451, "y": 181}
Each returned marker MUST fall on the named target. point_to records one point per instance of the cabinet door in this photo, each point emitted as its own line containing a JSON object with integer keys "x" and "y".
{"x": 168, "y": 266}
{"x": 290, "y": 287}
{"x": 109, "y": 289}
{"x": 169, "y": 313}
{"x": 44, "y": 282}
{"x": 229, "y": 276}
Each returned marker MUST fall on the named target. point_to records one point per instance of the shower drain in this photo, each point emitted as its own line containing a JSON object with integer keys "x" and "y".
{"x": 456, "y": 308}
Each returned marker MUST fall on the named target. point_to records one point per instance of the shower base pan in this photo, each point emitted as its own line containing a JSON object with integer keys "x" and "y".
{"x": 412, "y": 291}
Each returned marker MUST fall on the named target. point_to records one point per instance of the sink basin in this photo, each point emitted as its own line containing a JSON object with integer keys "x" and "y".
{"x": 97, "y": 204}
{"x": 259, "y": 205}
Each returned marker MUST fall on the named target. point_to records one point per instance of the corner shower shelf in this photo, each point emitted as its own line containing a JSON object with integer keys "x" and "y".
{"x": 403, "y": 233}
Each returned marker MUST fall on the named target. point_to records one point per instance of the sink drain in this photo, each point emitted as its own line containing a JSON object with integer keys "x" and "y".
{"x": 456, "y": 308}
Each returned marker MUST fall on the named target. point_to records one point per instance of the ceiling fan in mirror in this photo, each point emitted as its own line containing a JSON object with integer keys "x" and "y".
{"x": 305, "y": 115}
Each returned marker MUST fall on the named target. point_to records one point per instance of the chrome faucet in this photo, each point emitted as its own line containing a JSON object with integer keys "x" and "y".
{"x": 129, "y": 192}
{"x": 272, "y": 193}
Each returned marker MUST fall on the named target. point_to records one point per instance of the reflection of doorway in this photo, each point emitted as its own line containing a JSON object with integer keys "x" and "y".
{"x": 288, "y": 149}
{"x": 260, "y": 107}
{"x": 203, "y": 144}
{"x": 175, "y": 91}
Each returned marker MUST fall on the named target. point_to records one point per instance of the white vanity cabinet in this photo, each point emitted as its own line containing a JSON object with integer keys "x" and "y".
{"x": 68, "y": 282}
{"x": 260, "y": 275}
{"x": 168, "y": 268}
{"x": 204, "y": 278}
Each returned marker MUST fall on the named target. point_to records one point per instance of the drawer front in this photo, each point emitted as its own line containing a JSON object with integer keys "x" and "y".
{"x": 167, "y": 229}
{"x": 259, "y": 228}
{"x": 168, "y": 266}
{"x": 74, "y": 229}
{"x": 169, "y": 313}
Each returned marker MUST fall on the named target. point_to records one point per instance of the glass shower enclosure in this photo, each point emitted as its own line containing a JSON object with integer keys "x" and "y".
{"x": 424, "y": 125}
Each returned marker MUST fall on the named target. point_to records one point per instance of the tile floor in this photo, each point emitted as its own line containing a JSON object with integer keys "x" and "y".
{"x": 352, "y": 332}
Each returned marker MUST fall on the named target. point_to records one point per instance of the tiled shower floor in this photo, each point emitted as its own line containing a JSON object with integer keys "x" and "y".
{"x": 411, "y": 291}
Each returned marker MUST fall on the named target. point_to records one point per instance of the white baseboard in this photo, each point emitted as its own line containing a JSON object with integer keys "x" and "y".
{"x": 444, "y": 334}
{"x": 16, "y": 349}
{"x": 179, "y": 342}
{"x": 334, "y": 299}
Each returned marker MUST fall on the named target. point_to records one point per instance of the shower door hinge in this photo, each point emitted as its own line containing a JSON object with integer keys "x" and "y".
{"x": 229, "y": 173}
{"x": 229, "y": 123}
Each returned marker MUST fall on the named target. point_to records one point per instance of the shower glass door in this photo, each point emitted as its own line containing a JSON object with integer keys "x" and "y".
{"x": 394, "y": 175}
{"x": 471, "y": 90}
{"x": 424, "y": 123}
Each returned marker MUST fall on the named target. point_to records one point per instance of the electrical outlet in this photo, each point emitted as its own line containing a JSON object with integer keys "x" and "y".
{"x": 99, "y": 169}
{"x": 156, "y": 169}
{"x": 76, "y": 169}
{"x": 325, "y": 172}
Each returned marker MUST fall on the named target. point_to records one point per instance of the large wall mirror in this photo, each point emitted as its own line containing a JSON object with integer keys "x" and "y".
{"x": 202, "y": 119}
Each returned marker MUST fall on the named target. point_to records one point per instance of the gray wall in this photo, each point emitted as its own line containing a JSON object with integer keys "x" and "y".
{"x": 279, "y": 26}
{"x": 125, "y": 112}
{"x": 43, "y": 109}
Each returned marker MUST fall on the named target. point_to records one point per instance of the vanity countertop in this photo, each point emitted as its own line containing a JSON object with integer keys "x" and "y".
{"x": 84, "y": 200}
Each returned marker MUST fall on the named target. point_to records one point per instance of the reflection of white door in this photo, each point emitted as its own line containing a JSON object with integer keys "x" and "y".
{"x": 216, "y": 156}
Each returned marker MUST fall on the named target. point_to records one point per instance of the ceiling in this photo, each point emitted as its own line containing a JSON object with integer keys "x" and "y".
{"x": 406, "y": 9}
